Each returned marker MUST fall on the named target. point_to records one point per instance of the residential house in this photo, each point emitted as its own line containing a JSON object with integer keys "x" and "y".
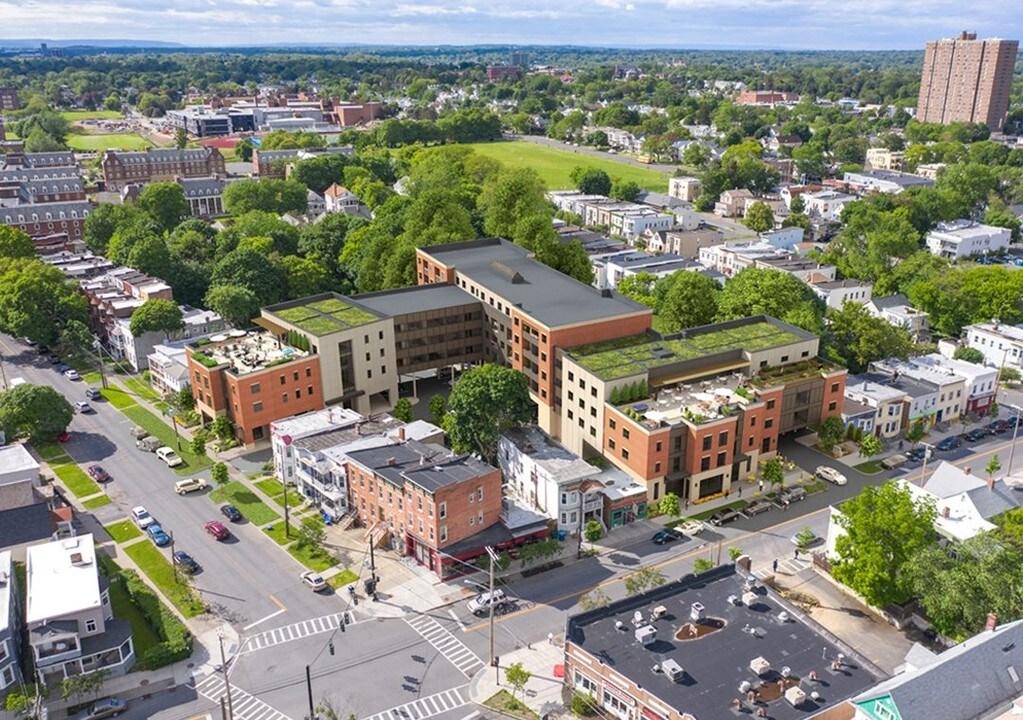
{"x": 880, "y": 158}
{"x": 168, "y": 367}
{"x": 951, "y": 388}
{"x": 684, "y": 188}
{"x": 684, "y": 243}
{"x": 316, "y": 205}
{"x": 136, "y": 349}
{"x": 930, "y": 170}
{"x": 1001, "y": 344}
{"x": 859, "y": 415}
{"x": 612, "y": 268}
{"x": 732, "y": 203}
{"x": 784, "y": 238}
{"x": 70, "y": 621}
{"x": 885, "y": 181}
{"x": 10, "y": 626}
{"x": 980, "y": 381}
{"x": 115, "y": 295}
{"x": 965, "y": 238}
{"x": 887, "y": 402}
{"x": 838, "y": 292}
{"x": 731, "y": 258}
{"x": 20, "y": 482}
{"x": 825, "y": 204}
{"x": 339, "y": 199}
{"x": 896, "y": 310}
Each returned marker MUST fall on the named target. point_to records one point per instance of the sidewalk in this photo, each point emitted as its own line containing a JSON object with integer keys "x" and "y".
{"x": 542, "y": 693}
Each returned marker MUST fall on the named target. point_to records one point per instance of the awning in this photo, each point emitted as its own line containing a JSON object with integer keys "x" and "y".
{"x": 270, "y": 325}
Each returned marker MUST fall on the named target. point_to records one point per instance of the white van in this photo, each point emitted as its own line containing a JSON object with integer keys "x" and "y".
{"x": 169, "y": 456}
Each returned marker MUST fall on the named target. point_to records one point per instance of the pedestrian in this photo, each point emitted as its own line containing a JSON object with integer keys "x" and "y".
{"x": 550, "y": 638}
{"x": 795, "y": 554}
{"x": 740, "y": 491}
{"x": 900, "y": 444}
{"x": 785, "y": 505}
{"x": 727, "y": 493}
{"x": 687, "y": 504}
{"x": 761, "y": 486}
{"x": 774, "y": 565}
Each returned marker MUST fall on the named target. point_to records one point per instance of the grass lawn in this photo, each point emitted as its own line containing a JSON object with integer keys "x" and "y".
{"x": 158, "y": 428}
{"x": 503, "y": 702}
{"x": 123, "y": 531}
{"x": 276, "y": 531}
{"x": 871, "y": 467}
{"x": 276, "y": 492}
{"x": 160, "y": 572}
{"x": 313, "y": 558}
{"x": 49, "y": 451}
{"x": 117, "y": 397}
{"x": 554, "y": 165}
{"x": 92, "y": 378}
{"x": 143, "y": 634}
{"x": 815, "y": 486}
{"x": 76, "y": 115}
{"x": 75, "y": 479}
{"x": 96, "y": 502}
{"x": 344, "y": 578}
{"x": 141, "y": 388}
{"x": 104, "y": 141}
{"x": 241, "y": 496}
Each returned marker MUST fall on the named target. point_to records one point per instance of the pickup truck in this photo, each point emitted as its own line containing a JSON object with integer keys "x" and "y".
{"x": 893, "y": 461}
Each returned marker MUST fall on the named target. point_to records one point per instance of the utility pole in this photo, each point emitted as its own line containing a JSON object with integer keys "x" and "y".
{"x": 1015, "y": 432}
{"x": 493, "y": 564}
{"x": 928, "y": 449}
{"x": 227, "y": 679}
{"x": 287, "y": 440}
{"x": 174, "y": 564}
{"x": 309, "y": 690}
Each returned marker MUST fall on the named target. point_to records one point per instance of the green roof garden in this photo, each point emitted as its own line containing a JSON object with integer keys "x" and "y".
{"x": 323, "y": 315}
{"x": 638, "y": 353}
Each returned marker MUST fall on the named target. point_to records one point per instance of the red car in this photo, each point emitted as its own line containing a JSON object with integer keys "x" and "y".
{"x": 98, "y": 474}
{"x": 217, "y": 530}
{"x": 64, "y": 436}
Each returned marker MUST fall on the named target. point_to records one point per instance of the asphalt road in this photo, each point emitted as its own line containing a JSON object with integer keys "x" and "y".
{"x": 244, "y": 580}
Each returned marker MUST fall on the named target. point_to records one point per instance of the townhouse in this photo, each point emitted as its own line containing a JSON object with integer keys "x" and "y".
{"x": 896, "y": 310}
{"x": 887, "y": 403}
{"x": 980, "y": 381}
{"x": 836, "y": 293}
{"x": 950, "y": 393}
{"x": 825, "y": 204}
{"x": 885, "y": 181}
{"x": 10, "y": 626}
{"x": 730, "y": 259}
{"x": 1001, "y": 344}
{"x": 612, "y": 268}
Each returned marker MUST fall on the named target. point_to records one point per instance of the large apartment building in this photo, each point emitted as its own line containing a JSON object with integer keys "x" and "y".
{"x": 966, "y": 79}
{"x": 122, "y": 168}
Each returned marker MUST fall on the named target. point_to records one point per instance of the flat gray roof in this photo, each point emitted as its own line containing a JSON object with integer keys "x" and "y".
{"x": 543, "y": 293}
{"x": 420, "y": 298}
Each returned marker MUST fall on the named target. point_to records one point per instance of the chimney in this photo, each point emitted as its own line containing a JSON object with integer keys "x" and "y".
{"x": 992, "y": 622}
{"x": 401, "y": 434}
{"x": 966, "y": 470}
{"x": 391, "y": 461}
{"x": 945, "y": 512}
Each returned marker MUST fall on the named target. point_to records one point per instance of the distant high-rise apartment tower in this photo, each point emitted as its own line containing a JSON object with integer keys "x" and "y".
{"x": 966, "y": 79}
{"x": 519, "y": 59}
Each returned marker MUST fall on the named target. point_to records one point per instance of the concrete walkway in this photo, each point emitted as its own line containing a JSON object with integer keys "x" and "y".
{"x": 542, "y": 693}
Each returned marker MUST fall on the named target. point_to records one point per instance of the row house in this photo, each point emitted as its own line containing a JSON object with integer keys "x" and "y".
{"x": 826, "y": 204}
{"x": 693, "y": 413}
{"x": 965, "y": 238}
{"x": 683, "y": 243}
{"x": 10, "y": 626}
{"x": 135, "y": 349}
{"x": 730, "y": 259}
{"x": 115, "y": 295}
{"x": 885, "y": 401}
{"x": 951, "y": 392}
{"x": 980, "y": 381}
{"x": 48, "y": 219}
{"x": 204, "y": 195}
{"x": 121, "y": 168}
{"x": 788, "y": 193}
{"x": 884, "y": 159}
{"x": 573, "y": 201}
{"x": 896, "y": 310}
{"x": 612, "y": 268}
{"x": 1000, "y": 343}
{"x": 732, "y": 203}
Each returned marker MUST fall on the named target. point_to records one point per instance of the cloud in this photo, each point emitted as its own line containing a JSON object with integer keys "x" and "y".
{"x": 405, "y": 10}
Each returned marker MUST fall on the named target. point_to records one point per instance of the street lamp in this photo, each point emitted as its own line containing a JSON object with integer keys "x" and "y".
{"x": 928, "y": 449}
{"x": 1015, "y": 432}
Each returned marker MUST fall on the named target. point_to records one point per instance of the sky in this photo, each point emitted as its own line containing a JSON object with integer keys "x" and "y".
{"x": 787, "y": 24}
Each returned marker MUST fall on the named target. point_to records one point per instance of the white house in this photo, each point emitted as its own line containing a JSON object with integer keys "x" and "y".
{"x": 965, "y": 238}
{"x": 835, "y": 293}
{"x": 19, "y": 477}
{"x": 896, "y": 310}
{"x": 137, "y": 349}
{"x": 825, "y": 204}
{"x": 1000, "y": 344}
{"x": 684, "y": 188}
{"x": 886, "y": 401}
{"x": 980, "y": 381}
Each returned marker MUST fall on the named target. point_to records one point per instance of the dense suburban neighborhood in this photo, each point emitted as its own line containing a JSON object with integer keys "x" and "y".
{"x": 519, "y": 382}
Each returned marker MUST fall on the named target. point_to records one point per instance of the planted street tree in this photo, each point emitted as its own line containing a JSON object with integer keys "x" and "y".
{"x": 485, "y": 402}
{"x": 36, "y": 412}
{"x": 870, "y": 446}
{"x": 671, "y": 505}
{"x": 993, "y": 466}
{"x": 220, "y": 474}
{"x": 642, "y": 580}
{"x": 594, "y": 599}
{"x": 403, "y": 410}
{"x": 517, "y": 676}
{"x": 774, "y": 471}
{"x": 702, "y": 565}
{"x": 592, "y": 531}
{"x": 830, "y": 433}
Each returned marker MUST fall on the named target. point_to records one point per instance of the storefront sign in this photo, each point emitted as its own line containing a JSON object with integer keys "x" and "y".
{"x": 620, "y": 694}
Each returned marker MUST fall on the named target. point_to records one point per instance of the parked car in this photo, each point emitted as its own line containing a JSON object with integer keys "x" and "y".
{"x": 97, "y": 473}
{"x": 142, "y": 517}
{"x": 805, "y": 538}
{"x": 169, "y": 456}
{"x": 480, "y": 604}
{"x": 149, "y": 444}
{"x": 917, "y": 454}
{"x": 54, "y": 359}
{"x": 791, "y": 495}
{"x": 690, "y": 527}
{"x": 893, "y": 461}
{"x": 92, "y": 393}
{"x": 185, "y": 561}
{"x": 997, "y": 427}
{"x": 81, "y": 406}
{"x": 977, "y": 434}
{"x": 72, "y": 374}
{"x": 314, "y": 580}
{"x": 666, "y": 535}
{"x": 186, "y": 486}
{"x": 830, "y": 474}
{"x": 217, "y": 530}
{"x": 725, "y": 515}
{"x": 138, "y": 432}
{"x": 231, "y": 512}
{"x": 64, "y": 436}
{"x": 111, "y": 707}
{"x": 949, "y": 443}
{"x": 157, "y": 535}
{"x": 756, "y": 507}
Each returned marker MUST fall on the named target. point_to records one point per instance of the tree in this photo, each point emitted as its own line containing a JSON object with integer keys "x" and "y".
{"x": 856, "y": 338}
{"x": 692, "y": 300}
{"x": 403, "y": 410}
{"x": 773, "y": 472}
{"x": 870, "y": 446}
{"x": 594, "y": 599}
{"x": 36, "y": 412}
{"x": 274, "y": 196}
{"x": 754, "y": 291}
{"x": 221, "y": 428}
{"x": 198, "y": 444}
{"x": 885, "y": 529}
{"x": 485, "y": 402}
{"x": 83, "y": 685}
{"x": 671, "y": 505}
{"x": 236, "y": 304}
{"x": 969, "y": 354}
{"x": 310, "y": 535}
{"x": 438, "y": 409}
{"x": 180, "y": 138}
{"x": 640, "y": 287}
{"x": 702, "y": 565}
{"x": 164, "y": 202}
{"x": 993, "y": 466}
{"x": 592, "y": 531}
{"x": 103, "y": 222}
{"x": 15, "y": 244}
{"x": 517, "y": 676}
{"x": 627, "y": 190}
{"x": 220, "y": 474}
{"x": 37, "y": 301}
{"x": 734, "y": 553}
{"x": 591, "y": 181}
{"x": 252, "y": 271}
{"x": 830, "y": 433}
{"x": 510, "y": 196}
{"x": 243, "y": 149}
{"x": 759, "y": 217}
{"x": 284, "y": 140}
{"x": 642, "y": 580}
{"x": 156, "y": 315}
{"x": 798, "y": 204}
{"x": 304, "y": 276}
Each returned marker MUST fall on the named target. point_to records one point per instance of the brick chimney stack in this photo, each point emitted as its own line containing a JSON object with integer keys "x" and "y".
{"x": 992, "y": 622}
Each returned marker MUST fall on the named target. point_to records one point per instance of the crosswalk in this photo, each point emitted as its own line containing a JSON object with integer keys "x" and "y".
{"x": 449, "y": 646}
{"x": 244, "y": 705}
{"x": 295, "y": 631}
{"x": 426, "y": 707}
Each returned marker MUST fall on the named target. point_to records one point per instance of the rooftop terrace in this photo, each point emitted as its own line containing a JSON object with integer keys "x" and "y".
{"x": 245, "y": 352}
{"x": 638, "y": 353}
{"x": 322, "y": 314}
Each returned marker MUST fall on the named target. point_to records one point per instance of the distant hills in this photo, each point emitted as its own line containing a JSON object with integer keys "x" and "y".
{"x": 34, "y": 43}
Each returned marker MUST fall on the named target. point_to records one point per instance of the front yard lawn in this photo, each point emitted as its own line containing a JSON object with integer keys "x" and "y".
{"x": 117, "y": 397}
{"x": 123, "y": 531}
{"x": 49, "y": 452}
{"x": 342, "y": 579}
{"x": 160, "y": 572}
{"x": 141, "y": 388}
{"x": 870, "y": 467}
{"x": 275, "y": 490}
{"x": 158, "y": 428}
{"x": 96, "y": 502}
{"x": 242, "y": 497}
{"x": 143, "y": 634}
{"x": 75, "y": 479}
{"x": 276, "y": 531}
{"x": 314, "y": 558}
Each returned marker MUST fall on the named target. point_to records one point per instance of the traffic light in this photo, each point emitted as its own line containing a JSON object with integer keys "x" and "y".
{"x": 496, "y": 662}
{"x": 341, "y": 625}
{"x": 330, "y": 647}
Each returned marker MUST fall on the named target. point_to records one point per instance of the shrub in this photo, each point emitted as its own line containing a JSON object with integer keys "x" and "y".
{"x": 584, "y": 705}
{"x": 177, "y": 640}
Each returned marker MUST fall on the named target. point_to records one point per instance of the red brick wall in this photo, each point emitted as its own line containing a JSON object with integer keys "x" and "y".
{"x": 429, "y": 270}
{"x": 647, "y": 450}
{"x": 834, "y": 391}
{"x": 272, "y": 394}
{"x": 694, "y": 452}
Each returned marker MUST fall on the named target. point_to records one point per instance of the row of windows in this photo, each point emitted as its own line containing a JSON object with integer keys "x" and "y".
{"x": 256, "y": 387}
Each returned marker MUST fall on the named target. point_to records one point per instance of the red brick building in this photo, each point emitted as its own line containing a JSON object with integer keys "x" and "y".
{"x": 9, "y": 98}
{"x": 252, "y": 379}
{"x": 43, "y": 219}
{"x": 765, "y": 97}
{"x": 498, "y": 73}
{"x": 122, "y": 168}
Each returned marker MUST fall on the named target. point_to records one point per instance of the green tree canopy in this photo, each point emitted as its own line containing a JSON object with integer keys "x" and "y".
{"x": 485, "y": 402}
{"x": 37, "y": 301}
{"x": 236, "y": 304}
{"x": 155, "y": 315}
{"x": 36, "y": 412}
{"x": 510, "y": 196}
{"x": 164, "y": 202}
{"x": 273, "y": 196}
{"x": 855, "y": 338}
{"x": 692, "y": 300}
{"x": 252, "y": 271}
{"x": 754, "y": 291}
{"x": 591, "y": 181}
{"x": 759, "y": 217}
{"x": 15, "y": 244}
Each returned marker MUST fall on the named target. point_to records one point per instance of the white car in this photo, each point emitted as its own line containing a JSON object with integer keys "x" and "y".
{"x": 186, "y": 486}
{"x": 169, "y": 456}
{"x": 83, "y": 407}
{"x": 480, "y": 604}
{"x": 831, "y": 475}
{"x": 314, "y": 580}
{"x": 142, "y": 517}
{"x": 690, "y": 527}
{"x": 72, "y": 374}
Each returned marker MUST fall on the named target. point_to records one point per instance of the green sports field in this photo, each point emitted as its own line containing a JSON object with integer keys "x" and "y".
{"x": 118, "y": 141}
{"x": 555, "y": 165}
{"x": 73, "y": 116}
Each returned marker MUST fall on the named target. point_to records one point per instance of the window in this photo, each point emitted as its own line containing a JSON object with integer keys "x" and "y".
{"x": 479, "y": 493}
{"x": 722, "y": 439}
{"x": 443, "y": 510}
{"x": 612, "y": 424}
{"x": 834, "y": 387}
{"x": 770, "y": 404}
{"x": 367, "y": 357}
{"x": 309, "y": 390}
{"x": 784, "y": 358}
{"x": 383, "y": 369}
{"x": 707, "y": 442}
{"x": 611, "y": 443}
{"x": 832, "y": 405}
{"x": 369, "y": 374}
{"x": 443, "y": 533}
{"x": 90, "y": 625}
{"x": 571, "y": 396}
{"x": 298, "y": 394}
{"x": 283, "y": 380}
{"x": 721, "y": 459}
{"x": 768, "y": 423}
{"x": 472, "y": 520}
{"x": 3, "y": 649}
{"x": 585, "y": 684}
{"x": 705, "y": 464}
{"x": 593, "y": 392}
{"x": 254, "y": 388}
{"x": 625, "y": 433}
{"x": 308, "y": 372}
{"x": 257, "y": 407}
{"x": 284, "y": 397}
{"x": 380, "y": 335}
{"x": 571, "y": 415}
{"x": 625, "y": 453}
{"x": 593, "y": 432}
{"x": 294, "y": 376}
{"x": 593, "y": 412}
{"x": 479, "y": 517}
{"x": 365, "y": 338}
{"x": 657, "y": 467}
{"x": 571, "y": 375}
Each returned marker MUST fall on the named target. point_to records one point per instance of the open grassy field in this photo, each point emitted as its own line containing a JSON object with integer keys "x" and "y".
{"x": 99, "y": 142}
{"x": 76, "y": 115}
{"x": 555, "y": 166}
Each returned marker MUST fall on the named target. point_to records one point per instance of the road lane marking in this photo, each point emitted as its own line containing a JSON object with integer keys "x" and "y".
{"x": 264, "y": 619}
{"x": 455, "y": 617}
{"x": 429, "y": 706}
{"x": 244, "y": 705}
{"x": 295, "y": 631}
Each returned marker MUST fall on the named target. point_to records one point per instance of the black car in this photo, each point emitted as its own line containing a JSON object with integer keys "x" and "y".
{"x": 231, "y": 512}
{"x": 949, "y": 443}
{"x": 917, "y": 454}
{"x": 724, "y": 516}
{"x": 999, "y": 426}
{"x": 666, "y": 536}
{"x": 756, "y": 507}
{"x": 977, "y": 434}
{"x": 186, "y": 562}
